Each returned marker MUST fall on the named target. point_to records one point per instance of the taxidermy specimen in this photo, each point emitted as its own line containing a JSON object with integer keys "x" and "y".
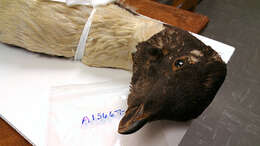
{"x": 175, "y": 76}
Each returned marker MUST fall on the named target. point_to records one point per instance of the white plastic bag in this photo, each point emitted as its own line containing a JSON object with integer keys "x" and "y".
{"x": 88, "y": 115}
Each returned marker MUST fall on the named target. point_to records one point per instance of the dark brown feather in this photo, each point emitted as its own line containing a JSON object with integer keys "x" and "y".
{"x": 175, "y": 77}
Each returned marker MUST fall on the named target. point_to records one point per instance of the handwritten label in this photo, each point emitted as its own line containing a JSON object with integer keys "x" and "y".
{"x": 102, "y": 116}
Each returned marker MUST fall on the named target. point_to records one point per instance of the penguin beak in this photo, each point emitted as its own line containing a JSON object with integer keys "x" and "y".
{"x": 134, "y": 119}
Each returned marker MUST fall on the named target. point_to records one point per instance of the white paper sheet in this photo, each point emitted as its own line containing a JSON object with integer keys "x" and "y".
{"x": 89, "y": 115}
{"x": 27, "y": 77}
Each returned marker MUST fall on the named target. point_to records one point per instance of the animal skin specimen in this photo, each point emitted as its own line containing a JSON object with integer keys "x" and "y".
{"x": 175, "y": 76}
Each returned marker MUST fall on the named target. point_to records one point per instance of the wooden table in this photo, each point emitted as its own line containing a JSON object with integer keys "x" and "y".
{"x": 171, "y": 15}
{"x": 184, "y": 19}
{"x": 9, "y": 137}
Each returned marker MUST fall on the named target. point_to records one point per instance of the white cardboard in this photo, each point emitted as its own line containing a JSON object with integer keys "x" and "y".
{"x": 26, "y": 78}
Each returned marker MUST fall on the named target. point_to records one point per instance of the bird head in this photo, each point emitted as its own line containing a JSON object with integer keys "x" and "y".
{"x": 175, "y": 77}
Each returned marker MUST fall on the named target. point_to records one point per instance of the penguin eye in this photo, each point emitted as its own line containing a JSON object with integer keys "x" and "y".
{"x": 179, "y": 63}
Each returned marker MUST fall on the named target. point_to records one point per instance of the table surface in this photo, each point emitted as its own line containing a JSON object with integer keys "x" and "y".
{"x": 233, "y": 119}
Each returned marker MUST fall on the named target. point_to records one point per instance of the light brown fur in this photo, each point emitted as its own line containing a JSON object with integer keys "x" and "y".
{"x": 54, "y": 28}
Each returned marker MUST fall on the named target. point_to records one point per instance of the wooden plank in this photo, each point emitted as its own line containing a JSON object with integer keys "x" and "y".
{"x": 177, "y": 17}
{"x": 185, "y": 4}
{"x": 9, "y": 137}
